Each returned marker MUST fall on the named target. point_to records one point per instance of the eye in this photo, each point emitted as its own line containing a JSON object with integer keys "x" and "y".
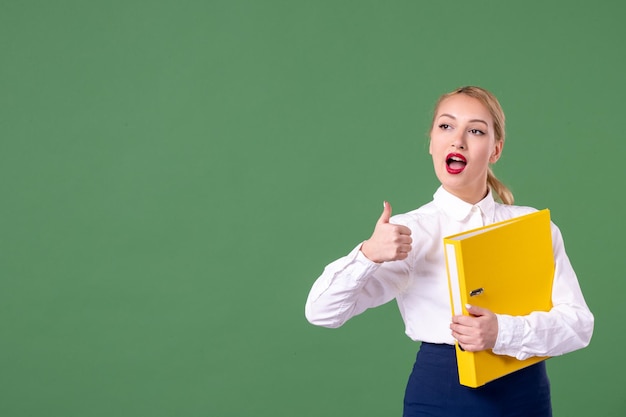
{"x": 444, "y": 126}
{"x": 476, "y": 132}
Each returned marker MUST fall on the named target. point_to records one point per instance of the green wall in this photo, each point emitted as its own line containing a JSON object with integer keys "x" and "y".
{"x": 175, "y": 175}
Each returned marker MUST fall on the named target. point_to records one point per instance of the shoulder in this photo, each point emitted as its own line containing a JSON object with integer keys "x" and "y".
{"x": 418, "y": 218}
{"x": 506, "y": 211}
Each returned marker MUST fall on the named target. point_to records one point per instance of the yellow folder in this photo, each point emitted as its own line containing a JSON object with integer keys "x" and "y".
{"x": 508, "y": 268}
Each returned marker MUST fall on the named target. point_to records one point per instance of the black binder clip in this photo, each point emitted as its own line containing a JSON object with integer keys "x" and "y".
{"x": 476, "y": 292}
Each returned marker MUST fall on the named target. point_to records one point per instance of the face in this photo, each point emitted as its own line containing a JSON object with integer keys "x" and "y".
{"x": 462, "y": 145}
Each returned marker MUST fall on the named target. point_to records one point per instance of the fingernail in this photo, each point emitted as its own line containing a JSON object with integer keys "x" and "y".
{"x": 468, "y": 306}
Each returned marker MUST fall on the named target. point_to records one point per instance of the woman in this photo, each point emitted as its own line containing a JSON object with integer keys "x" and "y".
{"x": 404, "y": 260}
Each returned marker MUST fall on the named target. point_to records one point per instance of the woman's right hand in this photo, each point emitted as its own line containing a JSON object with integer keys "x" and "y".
{"x": 389, "y": 242}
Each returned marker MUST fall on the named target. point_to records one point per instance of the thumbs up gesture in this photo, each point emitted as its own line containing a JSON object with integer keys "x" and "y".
{"x": 389, "y": 242}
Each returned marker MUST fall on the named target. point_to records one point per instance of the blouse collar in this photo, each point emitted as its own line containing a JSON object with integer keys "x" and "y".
{"x": 460, "y": 210}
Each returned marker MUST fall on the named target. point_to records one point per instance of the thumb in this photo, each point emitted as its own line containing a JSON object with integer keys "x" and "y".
{"x": 384, "y": 218}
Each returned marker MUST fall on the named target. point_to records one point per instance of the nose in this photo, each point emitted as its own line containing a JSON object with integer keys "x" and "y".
{"x": 458, "y": 141}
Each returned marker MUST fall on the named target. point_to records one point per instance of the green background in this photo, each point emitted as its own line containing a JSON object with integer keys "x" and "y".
{"x": 176, "y": 174}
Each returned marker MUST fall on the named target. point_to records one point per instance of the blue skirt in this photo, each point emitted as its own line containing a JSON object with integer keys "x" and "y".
{"x": 433, "y": 389}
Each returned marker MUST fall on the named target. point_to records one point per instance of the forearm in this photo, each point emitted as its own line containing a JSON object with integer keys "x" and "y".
{"x": 562, "y": 330}
{"x": 347, "y": 287}
{"x": 568, "y": 326}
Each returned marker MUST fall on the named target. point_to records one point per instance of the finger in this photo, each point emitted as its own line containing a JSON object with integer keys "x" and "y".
{"x": 403, "y": 239}
{"x": 404, "y": 249}
{"x": 464, "y": 321}
{"x": 460, "y": 319}
{"x": 469, "y": 347}
{"x": 384, "y": 218}
{"x": 403, "y": 230}
{"x": 401, "y": 256}
{"x": 477, "y": 311}
{"x": 467, "y": 342}
{"x": 463, "y": 341}
{"x": 461, "y": 329}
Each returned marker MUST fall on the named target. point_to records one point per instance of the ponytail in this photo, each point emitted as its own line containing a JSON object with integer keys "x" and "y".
{"x": 502, "y": 191}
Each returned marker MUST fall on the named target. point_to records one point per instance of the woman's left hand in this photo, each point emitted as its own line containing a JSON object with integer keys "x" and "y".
{"x": 476, "y": 332}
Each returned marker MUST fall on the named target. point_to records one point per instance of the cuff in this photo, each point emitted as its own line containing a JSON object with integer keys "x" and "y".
{"x": 510, "y": 335}
{"x": 355, "y": 265}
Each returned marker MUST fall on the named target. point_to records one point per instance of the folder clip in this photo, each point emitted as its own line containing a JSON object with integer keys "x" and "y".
{"x": 477, "y": 291}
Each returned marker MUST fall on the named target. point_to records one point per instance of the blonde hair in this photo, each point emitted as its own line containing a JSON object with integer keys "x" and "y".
{"x": 493, "y": 106}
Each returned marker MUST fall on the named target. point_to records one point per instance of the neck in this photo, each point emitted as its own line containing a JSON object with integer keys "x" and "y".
{"x": 469, "y": 197}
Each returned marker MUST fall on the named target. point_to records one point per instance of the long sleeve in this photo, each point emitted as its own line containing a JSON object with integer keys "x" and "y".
{"x": 568, "y": 326}
{"x": 350, "y": 285}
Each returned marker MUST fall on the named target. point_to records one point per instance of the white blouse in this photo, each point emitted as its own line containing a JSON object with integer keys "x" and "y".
{"x": 352, "y": 284}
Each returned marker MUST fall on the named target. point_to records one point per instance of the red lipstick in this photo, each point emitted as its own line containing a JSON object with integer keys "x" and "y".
{"x": 455, "y": 163}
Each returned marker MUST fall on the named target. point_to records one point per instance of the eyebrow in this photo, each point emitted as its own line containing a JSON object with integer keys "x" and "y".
{"x": 473, "y": 120}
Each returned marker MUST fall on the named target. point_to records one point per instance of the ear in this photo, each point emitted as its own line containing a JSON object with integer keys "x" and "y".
{"x": 497, "y": 152}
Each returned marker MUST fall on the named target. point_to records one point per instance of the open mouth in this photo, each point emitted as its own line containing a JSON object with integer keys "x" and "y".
{"x": 455, "y": 163}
